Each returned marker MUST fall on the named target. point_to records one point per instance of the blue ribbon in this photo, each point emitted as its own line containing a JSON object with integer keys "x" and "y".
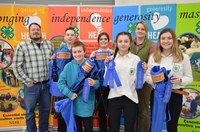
{"x": 54, "y": 90}
{"x": 168, "y": 91}
{"x": 111, "y": 75}
{"x": 162, "y": 94}
{"x": 65, "y": 106}
{"x": 61, "y": 62}
{"x": 100, "y": 62}
{"x": 139, "y": 76}
{"x": 102, "y": 52}
{"x": 86, "y": 91}
{"x": 82, "y": 76}
{"x": 76, "y": 87}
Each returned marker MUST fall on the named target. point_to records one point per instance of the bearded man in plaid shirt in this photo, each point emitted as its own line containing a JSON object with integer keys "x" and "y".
{"x": 31, "y": 66}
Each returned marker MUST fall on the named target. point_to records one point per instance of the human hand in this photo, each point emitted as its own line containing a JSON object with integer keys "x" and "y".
{"x": 112, "y": 52}
{"x": 31, "y": 83}
{"x": 144, "y": 66}
{"x": 91, "y": 81}
{"x": 53, "y": 57}
{"x": 74, "y": 96}
{"x": 175, "y": 80}
{"x": 108, "y": 58}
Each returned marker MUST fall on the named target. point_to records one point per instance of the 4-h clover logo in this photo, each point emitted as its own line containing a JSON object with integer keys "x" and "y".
{"x": 176, "y": 68}
{"x": 198, "y": 27}
{"x": 131, "y": 27}
{"x": 76, "y": 30}
{"x": 7, "y": 32}
{"x": 132, "y": 70}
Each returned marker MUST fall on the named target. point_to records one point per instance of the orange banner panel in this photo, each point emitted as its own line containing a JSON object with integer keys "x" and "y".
{"x": 94, "y": 21}
{"x": 28, "y": 15}
{"x": 61, "y": 17}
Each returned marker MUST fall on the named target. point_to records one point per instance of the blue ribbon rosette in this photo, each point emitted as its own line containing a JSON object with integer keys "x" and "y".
{"x": 111, "y": 75}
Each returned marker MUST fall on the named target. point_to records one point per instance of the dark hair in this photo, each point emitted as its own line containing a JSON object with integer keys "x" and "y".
{"x": 101, "y": 34}
{"x": 70, "y": 28}
{"x": 197, "y": 97}
{"x": 119, "y": 34}
{"x": 34, "y": 23}
{"x": 78, "y": 43}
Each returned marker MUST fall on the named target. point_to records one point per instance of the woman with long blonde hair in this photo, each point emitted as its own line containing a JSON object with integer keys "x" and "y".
{"x": 168, "y": 55}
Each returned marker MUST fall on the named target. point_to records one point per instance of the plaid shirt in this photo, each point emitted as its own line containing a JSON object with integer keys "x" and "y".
{"x": 31, "y": 62}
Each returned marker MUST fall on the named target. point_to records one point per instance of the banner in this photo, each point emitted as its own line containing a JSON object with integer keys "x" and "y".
{"x": 100, "y": 20}
{"x": 188, "y": 32}
{"x": 157, "y": 17}
{"x": 14, "y": 22}
{"x": 88, "y": 22}
{"x": 124, "y": 19}
{"x": 160, "y": 17}
{"x": 61, "y": 17}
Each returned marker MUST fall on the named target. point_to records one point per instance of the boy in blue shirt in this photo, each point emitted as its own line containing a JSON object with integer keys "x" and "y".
{"x": 83, "y": 111}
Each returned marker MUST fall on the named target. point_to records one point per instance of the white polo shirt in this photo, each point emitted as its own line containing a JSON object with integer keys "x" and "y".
{"x": 126, "y": 69}
{"x": 181, "y": 69}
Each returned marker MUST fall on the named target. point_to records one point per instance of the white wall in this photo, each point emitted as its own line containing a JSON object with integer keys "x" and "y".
{"x": 58, "y": 2}
{"x": 152, "y": 2}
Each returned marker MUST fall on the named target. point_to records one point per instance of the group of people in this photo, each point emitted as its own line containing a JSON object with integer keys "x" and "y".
{"x": 6, "y": 56}
{"x": 7, "y": 102}
{"x": 191, "y": 106}
{"x": 9, "y": 78}
{"x": 31, "y": 66}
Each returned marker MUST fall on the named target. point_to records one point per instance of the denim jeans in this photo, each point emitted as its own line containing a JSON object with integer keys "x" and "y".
{"x": 38, "y": 93}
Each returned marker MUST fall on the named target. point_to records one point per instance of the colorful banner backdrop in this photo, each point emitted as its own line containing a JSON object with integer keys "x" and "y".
{"x": 61, "y": 17}
{"x": 157, "y": 17}
{"x": 96, "y": 20}
{"x": 9, "y": 86}
{"x": 188, "y": 31}
{"x": 124, "y": 19}
{"x": 14, "y": 22}
{"x": 88, "y": 22}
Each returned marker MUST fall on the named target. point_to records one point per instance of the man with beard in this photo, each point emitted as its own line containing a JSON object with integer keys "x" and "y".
{"x": 31, "y": 66}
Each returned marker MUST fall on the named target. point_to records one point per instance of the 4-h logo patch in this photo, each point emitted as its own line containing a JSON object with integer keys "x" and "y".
{"x": 132, "y": 71}
{"x": 7, "y": 32}
{"x": 131, "y": 28}
{"x": 176, "y": 68}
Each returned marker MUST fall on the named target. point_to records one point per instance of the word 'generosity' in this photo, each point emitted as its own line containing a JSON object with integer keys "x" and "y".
{"x": 136, "y": 17}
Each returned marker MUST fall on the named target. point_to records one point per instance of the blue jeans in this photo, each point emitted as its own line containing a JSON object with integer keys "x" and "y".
{"x": 38, "y": 93}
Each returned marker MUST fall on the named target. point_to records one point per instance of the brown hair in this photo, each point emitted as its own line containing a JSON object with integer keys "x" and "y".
{"x": 77, "y": 44}
{"x": 119, "y": 34}
{"x": 70, "y": 28}
{"x": 101, "y": 34}
{"x": 176, "y": 52}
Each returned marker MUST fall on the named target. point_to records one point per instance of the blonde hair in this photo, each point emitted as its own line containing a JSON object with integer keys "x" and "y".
{"x": 176, "y": 52}
{"x": 146, "y": 27}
